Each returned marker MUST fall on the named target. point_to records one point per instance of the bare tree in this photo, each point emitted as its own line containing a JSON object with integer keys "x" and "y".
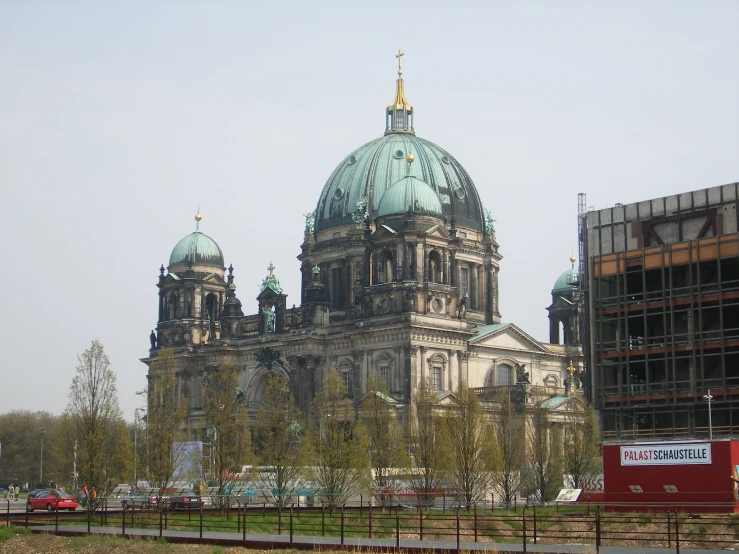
{"x": 428, "y": 444}
{"x": 581, "y": 443}
{"x": 340, "y": 445}
{"x": 280, "y": 441}
{"x": 104, "y": 448}
{"x": 543, "y": 477}
{"x": 473, "y": 445}
{"x": 165, "y": 423}
{"x": 228, "y": 426}
{"x": 386, "y": 442}
{"x": 510, "y": 431}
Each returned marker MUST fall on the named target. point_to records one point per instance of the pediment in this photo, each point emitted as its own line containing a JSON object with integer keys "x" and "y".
{"x": 388, "y": 400}
{"x": 560, "y": 403}
{"x": 384, "y": 231}
{"x": 561, "y": 303}
{"x": 214, "y": 278}
{"x": 507, "y": 336}
{"x": 437, "y": 231}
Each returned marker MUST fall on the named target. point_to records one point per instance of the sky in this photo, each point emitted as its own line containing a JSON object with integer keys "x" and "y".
{"x": 118, "y": 119}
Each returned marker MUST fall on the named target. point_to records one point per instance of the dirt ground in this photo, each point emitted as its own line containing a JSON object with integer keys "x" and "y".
{"x": 31, "y": 543}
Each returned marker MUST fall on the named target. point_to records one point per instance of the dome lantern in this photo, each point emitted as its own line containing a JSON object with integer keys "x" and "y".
{"x": 399, "y": 114}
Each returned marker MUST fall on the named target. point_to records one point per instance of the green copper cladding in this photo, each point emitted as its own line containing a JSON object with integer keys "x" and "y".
{"x": 565, "y": 281}
{"x": 409, "y": 193}
{"x": 371, "y": 169}
{"x": 197, "y": 249}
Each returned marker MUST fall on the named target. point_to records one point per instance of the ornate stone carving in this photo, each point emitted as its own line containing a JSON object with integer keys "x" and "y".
{"x": 410, "y": 350}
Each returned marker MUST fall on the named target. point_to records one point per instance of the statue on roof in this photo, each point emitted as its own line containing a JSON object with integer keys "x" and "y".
{"x": 522, "y": 376}
{"x": 271, "y": 281}
{"x": 269, "y": 317}
{"x": 360, "y": 214}
{"x": 489, "y": 221}
{"x": 310, "y": 222}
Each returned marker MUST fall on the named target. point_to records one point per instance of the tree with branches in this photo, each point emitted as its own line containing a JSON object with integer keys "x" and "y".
{"x": 104, "y": 448}
{"x": 473, "y": 447}
{"x": 228, "y": 426}
{"x": 428, "y": 445}
{"x": 543, "y": 476}
{"x": 581, "y": 443}
{"x": 165, "y": 423}
{"x": 387, "y": 447}
{"x": 280, "y": 441}
{"x": 340, "y": 445}
{"x": 510, "y": 431}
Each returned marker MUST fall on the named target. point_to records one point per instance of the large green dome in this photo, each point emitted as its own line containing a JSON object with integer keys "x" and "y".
{"x": 197, "y": 249}
{"x": 371, "y": 169}
{"x": 409, "y": 193}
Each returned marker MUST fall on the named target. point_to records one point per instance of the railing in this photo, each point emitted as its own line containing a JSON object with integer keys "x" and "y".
{"x": 642, "y": 525}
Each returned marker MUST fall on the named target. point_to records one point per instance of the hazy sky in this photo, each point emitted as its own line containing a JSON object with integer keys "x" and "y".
{"x": 119, "y": 118}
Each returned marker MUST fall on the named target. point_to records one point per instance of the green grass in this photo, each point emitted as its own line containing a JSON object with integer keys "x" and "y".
{"x": 7, "y": 533}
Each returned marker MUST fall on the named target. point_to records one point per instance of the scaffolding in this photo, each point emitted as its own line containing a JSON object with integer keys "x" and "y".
{"x": 664, "y": 322}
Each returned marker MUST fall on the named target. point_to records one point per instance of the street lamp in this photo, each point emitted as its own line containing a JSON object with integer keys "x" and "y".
{"x": 708, "y": 397}
{"x": 41, "y": 469}
{"x": 135, "y": 445}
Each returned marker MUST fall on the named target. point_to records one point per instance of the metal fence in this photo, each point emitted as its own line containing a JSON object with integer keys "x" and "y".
{"x": 594, "y": 525}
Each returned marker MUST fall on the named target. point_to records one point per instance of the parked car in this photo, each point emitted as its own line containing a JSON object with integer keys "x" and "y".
{"x": 34, "y": 492}
{"x": 185, "y": 502}
{"x": 51, "y": 499}
{"x": 141, "y": 499}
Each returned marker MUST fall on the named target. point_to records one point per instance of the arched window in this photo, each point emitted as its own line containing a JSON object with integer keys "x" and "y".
{"x": 435, "y": 273}
{"x": 385, "y": 267}
{"x": 490, "y": 378}
{"x": 437, "y": 363}
{"x": 504, "y": 375}
{"x": 172, "y": 306}
{"x": 383, "y": 366}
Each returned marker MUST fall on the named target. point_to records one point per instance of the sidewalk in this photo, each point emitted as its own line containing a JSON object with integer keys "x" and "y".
{"x": 265, "y": 541}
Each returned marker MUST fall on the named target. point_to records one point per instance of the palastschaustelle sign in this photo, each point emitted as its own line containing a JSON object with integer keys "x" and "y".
{"x": 666, "y": 454}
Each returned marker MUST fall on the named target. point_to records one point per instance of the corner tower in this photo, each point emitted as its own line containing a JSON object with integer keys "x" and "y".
{"x": 192, "y": 292}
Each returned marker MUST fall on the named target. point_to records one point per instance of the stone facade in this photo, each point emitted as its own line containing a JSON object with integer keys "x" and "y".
{"x": 399, "y": 267}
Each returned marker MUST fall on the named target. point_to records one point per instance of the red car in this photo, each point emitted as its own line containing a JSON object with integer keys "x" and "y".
{"x": 51, "y": 499}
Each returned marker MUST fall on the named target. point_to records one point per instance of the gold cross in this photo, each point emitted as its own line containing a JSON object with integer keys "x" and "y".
{"x": 571, "y": 369}
{"x": 271, "y": 268}
{"x": 400, "y": 55}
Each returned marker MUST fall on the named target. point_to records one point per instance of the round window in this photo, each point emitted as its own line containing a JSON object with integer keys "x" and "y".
{"x": 399, "y": 155}
{"x": 446, "y": 159}
{"x": 339, "y": 193}
{"x": 436, "y": 305}
{"x": 351, "y": 160}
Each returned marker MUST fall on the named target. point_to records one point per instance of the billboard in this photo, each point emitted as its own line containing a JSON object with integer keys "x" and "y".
{"x": 188, "y": 457}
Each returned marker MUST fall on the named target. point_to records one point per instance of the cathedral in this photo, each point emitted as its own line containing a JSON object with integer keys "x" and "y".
{"x": 399, "y": 265}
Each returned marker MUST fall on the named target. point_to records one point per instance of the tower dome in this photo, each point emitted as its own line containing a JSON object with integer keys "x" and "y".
{"x": 568, "y": 280}
{"x": 368, "y": 172}
{"x": 196, "y": 249}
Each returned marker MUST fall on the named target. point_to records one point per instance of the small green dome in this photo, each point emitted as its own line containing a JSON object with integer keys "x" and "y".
{"x": 565, "y": 282}
{"x": 409, "y": 193}
{"x": 197, "y": 249}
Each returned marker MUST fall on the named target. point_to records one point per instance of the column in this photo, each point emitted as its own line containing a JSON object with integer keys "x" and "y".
{"x": 453, "y": 376}
{"x": 473, "y": 287}
{"x": 481, "y": 284}
{"x": 421, "y": 364}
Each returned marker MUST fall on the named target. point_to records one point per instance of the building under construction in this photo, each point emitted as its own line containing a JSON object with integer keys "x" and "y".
{"x": 660, "y": 280}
